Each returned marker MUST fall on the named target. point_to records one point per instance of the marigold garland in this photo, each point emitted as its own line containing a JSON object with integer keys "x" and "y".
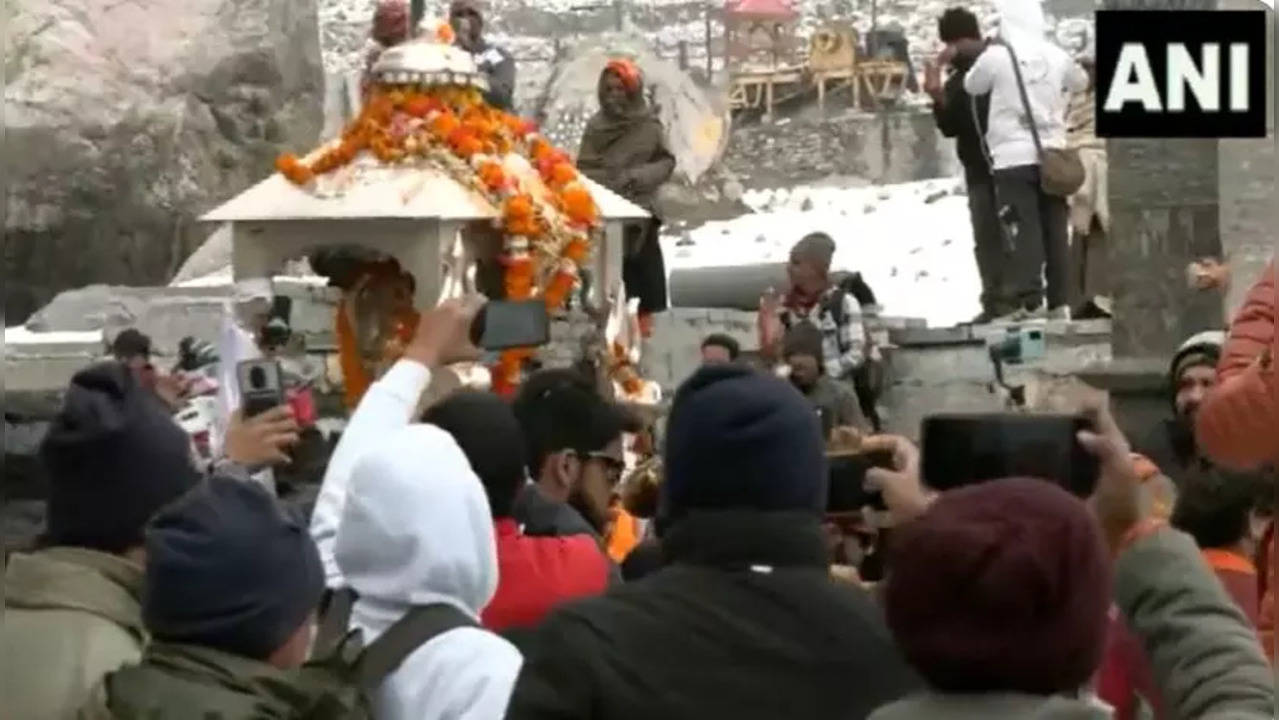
{"x": 452, "y": 129}
{"x": 403, "y": 323}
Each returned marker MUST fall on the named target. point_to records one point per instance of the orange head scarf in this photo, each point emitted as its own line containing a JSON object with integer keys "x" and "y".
{"x": 626, "y": 71}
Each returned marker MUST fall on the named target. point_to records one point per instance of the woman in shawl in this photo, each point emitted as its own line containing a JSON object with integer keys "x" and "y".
{"x": 623, "y": 149}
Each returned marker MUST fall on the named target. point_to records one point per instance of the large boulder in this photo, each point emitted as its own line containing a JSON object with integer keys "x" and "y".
{"x": 126, "y": 121}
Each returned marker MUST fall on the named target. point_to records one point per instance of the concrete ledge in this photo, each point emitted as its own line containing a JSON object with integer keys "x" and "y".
{"x": 1129, "y": 375}
{"x": 1086, "y": 330}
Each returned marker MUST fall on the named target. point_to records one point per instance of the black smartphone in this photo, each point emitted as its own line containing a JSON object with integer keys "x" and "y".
{"x": 962, "y": 450}
{"x": 261, "y": 386}
{"x": 505, "y": 324}
{"x": 847, "y": 491}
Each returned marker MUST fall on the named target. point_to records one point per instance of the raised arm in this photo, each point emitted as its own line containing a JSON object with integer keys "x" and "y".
{"x": 388, "y": 404}
{"x": 1206, "y": 659}
{"x": 1236, "y": 424}
{"x": 442, "y": 337}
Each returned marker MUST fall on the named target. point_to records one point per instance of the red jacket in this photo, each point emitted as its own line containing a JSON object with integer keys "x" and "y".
{"x": 535, "y": 574}
{"x": 1238, "y": 423}
{"x": 1125, "y": 677}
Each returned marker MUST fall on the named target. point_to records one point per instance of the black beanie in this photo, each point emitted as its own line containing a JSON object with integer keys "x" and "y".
{"x": 114, "y": 456}
{"x": 485, "y": 427}
{"x": 228, "y": 568}
{"x": 802, "y": 339}
{"x": 741, "y": 439}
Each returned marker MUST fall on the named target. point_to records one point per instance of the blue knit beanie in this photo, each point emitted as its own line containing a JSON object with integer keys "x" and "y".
{"x": 228, "y": 568}
{"x": 114, "y": 457}
{"x": 742, "y": 439}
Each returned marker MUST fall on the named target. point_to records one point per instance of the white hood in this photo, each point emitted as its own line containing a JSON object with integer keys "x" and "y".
{"x": 416, "y": 529}
{"x": 1049, "y": 75}
{"x": 1022, "y": 23}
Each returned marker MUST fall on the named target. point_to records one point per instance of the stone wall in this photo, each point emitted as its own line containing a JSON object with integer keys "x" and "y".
{"x": 1248, "y": 211}
{"x": 885, "y": 147}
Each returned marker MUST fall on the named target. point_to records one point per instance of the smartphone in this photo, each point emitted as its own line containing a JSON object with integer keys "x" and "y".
{"x": 505, "y": 324}
{"x": 847, "y": 490}
{"x": 261, "y": 386}
{"x": 962, "y": 450}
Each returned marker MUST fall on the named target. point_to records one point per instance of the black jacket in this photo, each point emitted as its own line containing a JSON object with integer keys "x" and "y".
{"x": 954, "y": 117}
{"x": 744, "y": 622}
{"x": 541, "y": 516}
{"x": 1171, "y": 447}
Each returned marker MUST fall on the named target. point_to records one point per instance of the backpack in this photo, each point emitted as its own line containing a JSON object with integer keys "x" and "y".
{"x": 353, "y": 672}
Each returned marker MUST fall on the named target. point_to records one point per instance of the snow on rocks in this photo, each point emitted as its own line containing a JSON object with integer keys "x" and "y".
{"x": 525, "y": 26}
{"x": 912, "y": 242}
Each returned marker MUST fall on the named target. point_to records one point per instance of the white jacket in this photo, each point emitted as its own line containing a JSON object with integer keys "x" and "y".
{"x": 387, "y": 406}
{"x": 415, "y": 530}
{"x": 1050, "y": 76}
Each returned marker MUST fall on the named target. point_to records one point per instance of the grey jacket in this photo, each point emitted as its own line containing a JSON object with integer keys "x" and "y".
{"x": 1205, "y": 657}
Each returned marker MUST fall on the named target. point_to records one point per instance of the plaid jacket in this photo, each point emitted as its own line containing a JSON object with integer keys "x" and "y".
{"x": 843, "y": 342}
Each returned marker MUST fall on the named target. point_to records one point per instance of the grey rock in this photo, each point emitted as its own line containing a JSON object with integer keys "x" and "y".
{"x": 115, "y": 146}
{"x": 733, "y": 190}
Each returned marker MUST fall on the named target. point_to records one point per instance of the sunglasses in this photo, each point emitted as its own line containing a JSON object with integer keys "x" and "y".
{"x": 611, "y": 464}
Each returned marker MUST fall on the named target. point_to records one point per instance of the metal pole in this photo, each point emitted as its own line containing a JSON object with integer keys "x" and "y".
{"x": 710, "y": 57}
{"x": 619, "y": 6}
{"x": 873, "y": 40}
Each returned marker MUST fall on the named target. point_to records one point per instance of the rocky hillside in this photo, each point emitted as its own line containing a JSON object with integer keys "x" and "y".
{"x": 126, "y": 121}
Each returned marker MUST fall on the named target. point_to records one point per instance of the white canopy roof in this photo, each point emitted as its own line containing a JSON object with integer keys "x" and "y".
{"x": 387, "y": 193}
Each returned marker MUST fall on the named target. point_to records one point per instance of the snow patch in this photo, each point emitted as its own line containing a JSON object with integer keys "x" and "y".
{"x": 912, "y": 242}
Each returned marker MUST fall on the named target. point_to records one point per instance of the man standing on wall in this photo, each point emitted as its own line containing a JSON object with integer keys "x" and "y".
{"x": 1029, "y": 80}
{"x": 963, "y": 117}
{"x": 1089, "y": 207}
{"x": 496, "y": 63}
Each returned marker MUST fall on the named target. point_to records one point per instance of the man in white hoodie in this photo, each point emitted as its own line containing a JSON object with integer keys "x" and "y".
{"x": 1037, "y": 222}
{"x": 404, "y": 522}
{"x": 417, "y": 531}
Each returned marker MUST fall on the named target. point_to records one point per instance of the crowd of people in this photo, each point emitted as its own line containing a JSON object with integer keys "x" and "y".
{"x": 460, "y": 563}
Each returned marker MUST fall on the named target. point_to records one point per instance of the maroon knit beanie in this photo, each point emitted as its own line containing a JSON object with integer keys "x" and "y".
{"x": 1001, "y": 586}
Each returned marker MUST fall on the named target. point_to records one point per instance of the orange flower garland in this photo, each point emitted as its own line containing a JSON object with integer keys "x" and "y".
{"x": 453, "y": 129}
{"x": 355, "y": 378}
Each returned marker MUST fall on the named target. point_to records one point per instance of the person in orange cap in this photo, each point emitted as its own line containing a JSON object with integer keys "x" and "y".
{"x": 624, "y": 149}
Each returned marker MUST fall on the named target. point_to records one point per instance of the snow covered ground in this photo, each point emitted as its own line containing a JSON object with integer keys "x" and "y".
{"x": 912, "y": 242}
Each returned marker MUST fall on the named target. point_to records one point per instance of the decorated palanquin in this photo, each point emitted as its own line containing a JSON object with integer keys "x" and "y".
{"x": 424, "y": 190}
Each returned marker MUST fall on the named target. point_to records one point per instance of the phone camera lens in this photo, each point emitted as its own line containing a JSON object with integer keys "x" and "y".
{"x": 257, "y": 378}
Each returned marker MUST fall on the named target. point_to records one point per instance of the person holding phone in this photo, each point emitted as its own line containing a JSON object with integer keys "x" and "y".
{"x": 963, "y": 604}
{"x": 743, "y": 620}
{"x": 442, "y": 338}
{"x": 1028, "y": 79}
{"x": 963, "y": 117}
